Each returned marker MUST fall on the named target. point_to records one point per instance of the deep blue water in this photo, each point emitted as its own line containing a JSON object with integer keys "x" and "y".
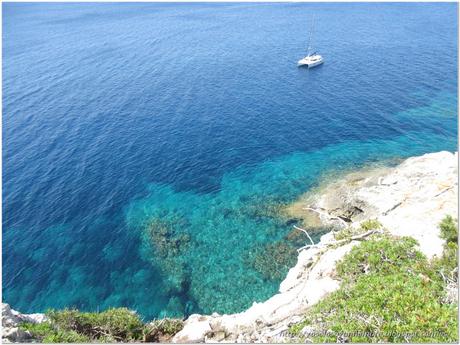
{"x": 194, "y": 120}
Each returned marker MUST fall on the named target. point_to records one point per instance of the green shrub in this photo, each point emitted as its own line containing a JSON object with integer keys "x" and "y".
{"x": 162, "y": 330}
{"x": 113, "y": 325}
{"x": 449, "y": 230}
{"x": 347, "y": 233}
{"x": 386, "y": 308}
{"x": 390, "y": 292}
{"x": 370, "y": 224}
{"x": 447, "y": 265}
{"x": 46, "y": 333}
{"x": 384, "y": 255}
{"x": 118, "y": 324}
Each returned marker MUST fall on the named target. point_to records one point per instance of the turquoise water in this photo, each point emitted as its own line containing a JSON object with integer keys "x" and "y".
{"x": 149, "y": 149}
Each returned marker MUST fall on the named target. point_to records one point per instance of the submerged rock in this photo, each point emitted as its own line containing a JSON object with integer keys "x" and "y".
{"x": 271, "y": 259}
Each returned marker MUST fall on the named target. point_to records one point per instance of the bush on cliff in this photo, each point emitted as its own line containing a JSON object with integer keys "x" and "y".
{"x": 162, "y": 330}
{"x": 447, "y": 265}
{"x": 390, "y": 292}
{"x": 45, "y": 332}
{"x": 113, "y": 325}
{"x": 349, "y": 232}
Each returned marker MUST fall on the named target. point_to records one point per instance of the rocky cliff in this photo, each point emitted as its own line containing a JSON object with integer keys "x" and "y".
{"x": 10, "y": 324}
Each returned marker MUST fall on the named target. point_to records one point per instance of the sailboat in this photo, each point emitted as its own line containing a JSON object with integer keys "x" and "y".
{"x": 313, "y": 59}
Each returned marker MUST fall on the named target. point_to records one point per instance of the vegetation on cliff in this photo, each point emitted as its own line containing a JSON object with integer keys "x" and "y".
{"x": 390, "y": 292}
{"x": 113, "y": 325}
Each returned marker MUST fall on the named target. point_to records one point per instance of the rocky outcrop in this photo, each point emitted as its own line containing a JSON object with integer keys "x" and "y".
{"x": 409, "y": 200}
{"x": 11, "y": 319}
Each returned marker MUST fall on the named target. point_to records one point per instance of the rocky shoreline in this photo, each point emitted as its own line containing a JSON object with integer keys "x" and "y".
{"x": 408, "y": 200}
{"x": 11, "y": 319}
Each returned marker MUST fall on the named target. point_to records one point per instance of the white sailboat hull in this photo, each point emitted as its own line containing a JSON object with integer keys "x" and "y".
{"x": 311, "y": 61}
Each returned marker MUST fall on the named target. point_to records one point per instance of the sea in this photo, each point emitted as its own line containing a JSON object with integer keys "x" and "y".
{"x": 150, "y": 149}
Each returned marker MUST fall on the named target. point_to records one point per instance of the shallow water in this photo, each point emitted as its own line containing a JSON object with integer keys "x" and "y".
{"x": 149, "y": 148}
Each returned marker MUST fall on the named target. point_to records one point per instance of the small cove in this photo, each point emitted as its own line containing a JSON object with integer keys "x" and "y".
{"x": 132, "y": 180}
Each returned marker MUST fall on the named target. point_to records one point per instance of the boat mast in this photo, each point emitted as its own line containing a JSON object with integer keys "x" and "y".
{"x": 311, "y": 36}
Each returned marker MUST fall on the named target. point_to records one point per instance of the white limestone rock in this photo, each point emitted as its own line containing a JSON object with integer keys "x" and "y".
{"x": 9, "y": 317}
{"x": 16, "y": 335}
{"x": 409, "y": 200}
{"x": 195, "y": 330}
{"x": 10, "y": 322}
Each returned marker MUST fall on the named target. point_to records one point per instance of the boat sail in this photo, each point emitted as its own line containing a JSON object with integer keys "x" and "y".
{"x": 312, "y": 59}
